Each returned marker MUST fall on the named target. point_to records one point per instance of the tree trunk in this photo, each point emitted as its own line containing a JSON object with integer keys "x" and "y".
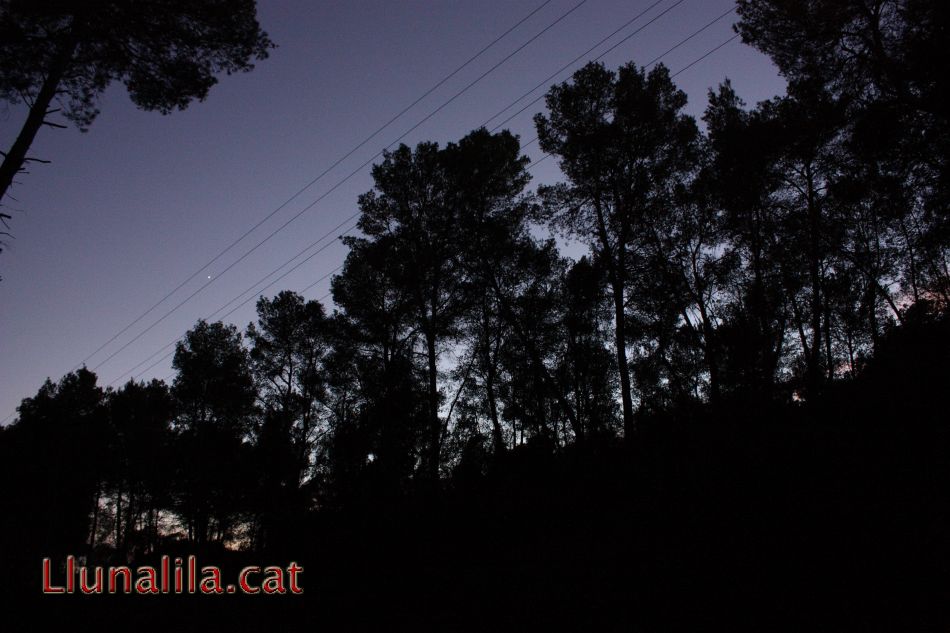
{"x": 118, "y": 519}
{"x": 16, "y": 157}
{"x": 710, "y": 352}
{"x": 616, "y": 271}
{"x": 622, "y": 365}
{"x": 498, "y": 437}
{"x": 95, "y": 518}
{"x": 828, "y": 343}
{"x": 435, "y": 427}
{"x": 579, "y": 388}
{"x": 130, "y": 515}
{"x": 763, "y": 373}
{"x": 814, "y": 270}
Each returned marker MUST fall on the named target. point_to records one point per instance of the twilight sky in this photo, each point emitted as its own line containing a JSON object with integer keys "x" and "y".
{"x": 131, "y": 209}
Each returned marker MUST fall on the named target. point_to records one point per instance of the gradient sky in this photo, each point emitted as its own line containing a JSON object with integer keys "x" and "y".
{"x": 130, "y": 209}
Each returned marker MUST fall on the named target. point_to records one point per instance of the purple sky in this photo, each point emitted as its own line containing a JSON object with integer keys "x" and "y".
{"x": 132, "y": 208}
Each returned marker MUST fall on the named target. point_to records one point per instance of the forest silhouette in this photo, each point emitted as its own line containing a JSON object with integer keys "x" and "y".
{"x": 727, "y": 412}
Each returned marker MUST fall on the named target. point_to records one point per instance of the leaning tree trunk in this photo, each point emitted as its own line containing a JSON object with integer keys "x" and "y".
{"x": 14, "y": 159}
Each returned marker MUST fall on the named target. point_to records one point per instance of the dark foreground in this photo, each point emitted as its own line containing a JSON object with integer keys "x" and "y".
{"x": 832, "y": 516}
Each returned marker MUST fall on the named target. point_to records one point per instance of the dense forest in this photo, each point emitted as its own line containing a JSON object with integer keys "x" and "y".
{"x": 697, "y": 382}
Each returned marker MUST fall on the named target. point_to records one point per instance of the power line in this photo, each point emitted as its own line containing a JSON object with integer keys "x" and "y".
{"x": 685, "y": 68}
{"x": 340, "y": 183}
{"x": 254, "y": 293}
{"x": 544, "y": 81}
{"x": 545, "y": 157}
{"x": 539, "y": 161}
{"x": 210, "y": 281}
{"x": 276, "y": 270}
{"x": 534, "y": 164}
{"x": 458, "y": 94}
{"x": 374, "y": 157}
{"x": 604, "y": 54}
{"x": 315, "y": 180}
{"x": 687, "y": 38}
{"x": 708, "y": 53}
{"x": 260, "y": 243}
{"x": 181, "y": 338}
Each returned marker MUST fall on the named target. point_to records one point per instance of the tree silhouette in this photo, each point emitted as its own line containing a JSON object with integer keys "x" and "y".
{"x": 139, "y": 443}
{"x": 588, "y": 366}
{"x": 410, "y": 209}
{"x": 214, "y": 394}
{"x": 877, "y": 60}
{"x": 762, "y": 315}
{"x": 739, "y": 177}
{"x": 288, "y": 346}
{"x": 486, "y": 176}
{"x": 55, "y": 461}
{"x": 379, "y": 412}
{"x": 624, "y": 145}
